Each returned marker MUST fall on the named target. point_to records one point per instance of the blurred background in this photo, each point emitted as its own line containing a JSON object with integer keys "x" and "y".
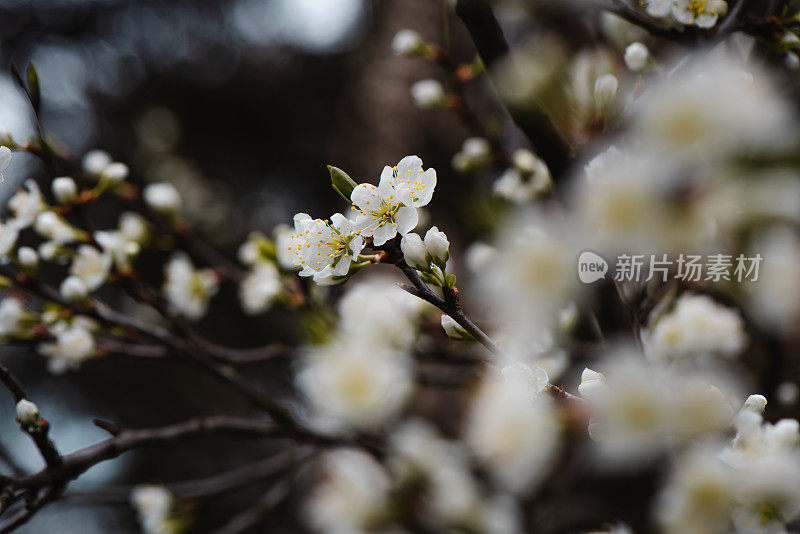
{"x": 240, "y": 104}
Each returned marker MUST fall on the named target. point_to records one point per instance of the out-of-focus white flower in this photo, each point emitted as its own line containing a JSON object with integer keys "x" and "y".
{"x": 116, "y": 245}
{"x": 285, "y": 246}
{"x": 787, "y": 393}
{"x": 5, "y": 161}
{"x": 95, "y": 161}
{"x": 73, "y": 289}
{"x": 26, "y": 204}
{"x": 697, "y": 327}
{"x": 115, "y": 173}
{"x": 352, "y": 496}
{"x": 162, "y": 197}
{"x": 325, "y": 250}
{"x": 65, "y": 190}
{"x": 475, "y": 153}
{"x": 352, "y": 383}
{"x": 428, "y": 94}
{"x": 187, "y": 289}
{"x": 775, "y": 297}
{"x": 91, "y": 266}
{"x": 259, "y": 288}
{"x": 527, "y": 179}
{"x": 379, "y": 313}
{"x": 623, "y": 204}
{"x": 391, "y": 207}
{"x": 74, "y": 344}
{"x": 133, "y": 227}
{"x": 408, "y": 43}
{"x": 700, "y": 495}
{"x": 637, "y": 56}
{"x": 454, "y": 330}
{"x": 531, "y": 277}
{"x": 710, "y": 109}
{"x": 27, "y": 412}
{"x": 479, "y": 255}
{"x": 27, "y": 257}
{"x": 700, "y": 13}
{"x": 605, "y": 90}
{"x": 9, "y": 232}
{"x": 52, "y": 227}
{"x": 49, "y": 250}
{"x": 659, "y": 8}
{"x": 152, "y": 503}
{"x": 13, "y": 317}
{"x": 514, "y": 432}
{"x": 635, "y": 409}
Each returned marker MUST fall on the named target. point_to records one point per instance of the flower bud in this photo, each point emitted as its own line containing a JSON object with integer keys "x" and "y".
{"x": 756, "y": 403}
{"x": 27, "y": 412}
{"x": 637, "y": 56}
{"x": 65, "y": 190}
{"x": 28, "y": 257}
{"x": 428, "y": 94}
{"x": 162, "y": 197}
{"x": 48, "y": 250}
{"x": 73, "y": 289}
{"x": 437, "y": 246}
{"x": 408, "y": 43}
{"x": 95, "y": 161}
{"x": 454, "y": 330}
{"x": 524, "y": 160}
{"x": 115, "y": 173}
{"x": 133, "y": 227}
{"x": 605, "y": 89}
{"x": 414, "y": 251}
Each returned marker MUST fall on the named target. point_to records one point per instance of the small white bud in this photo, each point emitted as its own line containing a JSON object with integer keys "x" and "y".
{"x": 756, "y": 403}
{"x": 605, "y": 89}
{"x": 476, "y": 148}
{"x": 787, "y": 393}
{"x": 162, "y": 197}
{"x": 408, "y": 43}
{"x": 133, "y": 227}
{"x": 27, "y": 412}
{"x": 115, "y": 173}
{"x": 428, "y": 94}
{"x": 73, "y": 289}
{"x": 437, "y": 246}
{"x": 524, "y": 160}
{"x": 792, "y": 61}
{"x": 637, "y": 56}
{"x": 28, "y": 257}
{"x": 414, "y": 251}
{"x": 48, "y": 250}
{"x": 454, "y": 330}
{"x": 95, "y": 161}
{"x": 65, "y": 190}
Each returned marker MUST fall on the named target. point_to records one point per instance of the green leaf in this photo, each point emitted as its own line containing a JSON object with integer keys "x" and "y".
{"x": 33, "y": 87}
{"x": 341, "y": 182}
{"x": 450, "y": 280}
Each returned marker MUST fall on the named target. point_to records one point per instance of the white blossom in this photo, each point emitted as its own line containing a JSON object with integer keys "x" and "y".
{"x": 514, "y": 431}
{"x": 118, "y": 246}
{"x": 26, "y": 204}
{"x": 696, "y": 327}
{"x": 414, "y": 251}
{"x": 73, "y": 289}
{"x": 323, "y": 249}
{"x": 475, "y": 153}
{"x": 162, "y": 197}
{"x": 28, "y": 257}
{"x": 91, "y": 266}
{"x": 659, "y": 8}
{"x": 637, "y": 56}
{"x": 352, "y": 495}
{"x": 187, "y": 289}
{"x": 5, "y": 161}
{"x": 27, "y": 412}
{"x": 408, "y": 43}
{"x": 352, "y": 383}
{"x": 115, "y": 173}
{"x": 95, "y": 161}
{"x": 9, "y": 232}
{"x": 259, "y": 288}
{"x": 700, "y": 13}
{"x": 65, "y": 190}
{"x": 391, "y": 207}
{"x": 13, "y": 317}
{"x": 73, "y": 345}
{"x": 437, "y": 246}
{"x": 774, "y": 299}
{"x": 428, "y": 94}
{"x": 133, "y": 227}
{"x": 153, "y": 504}
{"x": 605, "y": 90}
{"x": 54, "y": 228}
